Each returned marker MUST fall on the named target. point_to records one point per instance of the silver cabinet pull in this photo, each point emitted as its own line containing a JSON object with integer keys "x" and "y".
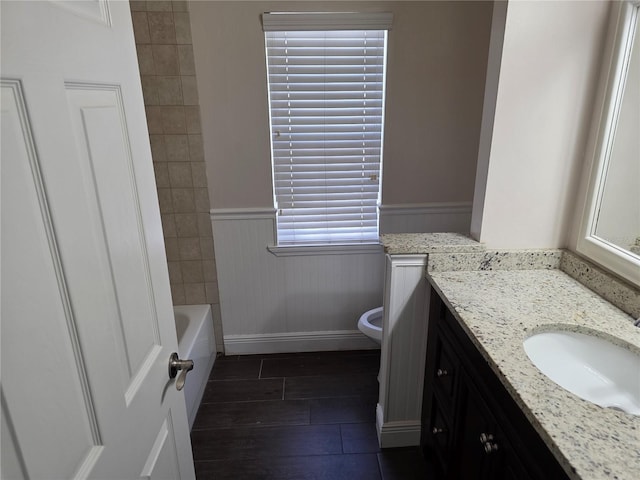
{"x": 176, "y": 364}
{"x": 441, "y": 372}
{"x": 486, "y": 439}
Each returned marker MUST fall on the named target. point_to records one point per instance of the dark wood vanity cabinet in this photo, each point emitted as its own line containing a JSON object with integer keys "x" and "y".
{"x": 471, "y": 426}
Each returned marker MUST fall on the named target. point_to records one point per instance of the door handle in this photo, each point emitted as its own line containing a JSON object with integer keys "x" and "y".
{"x": 176, "y": 364}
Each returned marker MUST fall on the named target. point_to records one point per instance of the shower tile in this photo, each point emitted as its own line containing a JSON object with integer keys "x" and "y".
{"x": 154, "y": 119}
{"x": 165, "y": 200}
{"x": 189, "y": 90}
{"x": 149, "y": 89}
{"x": 138, "y": 5}
{"x": 199, "y": 175}
{"x": 211, "y": 291}
{"x": 161, "y": 27}
{"x": 183, "y": 27}
{"x": 192, "y": 272}
{"x": 201, "y": 199}
{"x": 192, "y": 118}
{"x": 158, "y": 5}
{"x": 165, "y": 58}
{"x": 177, "y": 148}
{"x": 189, "y": 248}
{"x": 196, "y": 151}
{"x": 162, "y": 175}
{"x": 186, "y": 61}
{"x": 146, "y": 63}
{"x": 207, "y": 248}
{"x": 140, "y": 27}
{"x": 173, "y": 120}
{"x": 183, "y": 201}
{"x": 194, "y": 293}
{"x": 186, "y": 225}
{"x": 204, "y": 224}
{"x": 175, "y": 272}
{"x": 180, "y": 177}
{"x": 180, "y": 6}
{"x": 158, "y": 151}
{"x": 168, "y": 225}
{"x": 177, "y": 294}
{"x": 171, "y": 248}
{"x": 209, "y": 270}
{"x": 169, "y": 90}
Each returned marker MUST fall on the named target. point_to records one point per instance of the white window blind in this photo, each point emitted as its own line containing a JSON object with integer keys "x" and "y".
{"x": 326, "y": 93}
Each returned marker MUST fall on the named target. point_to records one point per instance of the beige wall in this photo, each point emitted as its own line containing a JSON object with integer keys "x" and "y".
{"x": 165, "y": 56}
{"x": 435, "y": 83}
{"x": 549, "y": 68}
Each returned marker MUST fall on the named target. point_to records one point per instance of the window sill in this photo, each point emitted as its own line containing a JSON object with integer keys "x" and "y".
{"x": 318, "y": 250}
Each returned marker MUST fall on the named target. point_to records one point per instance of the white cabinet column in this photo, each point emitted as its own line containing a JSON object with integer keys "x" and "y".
{"x": 404, "y": 341}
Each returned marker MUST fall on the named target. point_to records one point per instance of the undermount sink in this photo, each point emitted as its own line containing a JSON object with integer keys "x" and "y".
{"x": 590, "y": 367}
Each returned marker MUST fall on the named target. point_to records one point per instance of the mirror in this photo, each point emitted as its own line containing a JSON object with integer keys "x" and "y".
{"x": 610, "y": 233}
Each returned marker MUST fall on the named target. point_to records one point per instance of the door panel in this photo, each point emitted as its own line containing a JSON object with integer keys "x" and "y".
{"x": 34, "y": 392}
{"x": 163, "y": 456}
{"x": 87, "y": 320}
{"x": 98, "y": 122}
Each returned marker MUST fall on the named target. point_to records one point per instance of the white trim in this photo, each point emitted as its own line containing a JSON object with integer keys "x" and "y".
{"x": 297, "y": 342}
{"x": 298, "y": 21}
{"x": 604, "y": 123}
{"x": 310, "y": 250}
{"x": 397, "y": 434}
{"x": 242, "y": 213}
{"x": 425, "y": 208}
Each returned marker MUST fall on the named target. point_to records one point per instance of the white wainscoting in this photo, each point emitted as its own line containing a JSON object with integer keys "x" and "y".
{"x": 426, "y": 217}
{"x": 289, "y": 303}
{"x": 275, "y": 302}
{"x": 404, "y": 343}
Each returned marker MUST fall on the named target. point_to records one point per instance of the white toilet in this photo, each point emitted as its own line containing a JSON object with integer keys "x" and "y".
{"x": 370, "y": 324}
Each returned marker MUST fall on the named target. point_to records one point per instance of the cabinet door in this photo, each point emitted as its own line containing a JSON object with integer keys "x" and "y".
{"x": 483, "y": 448}
{"x": 477, "y": 446}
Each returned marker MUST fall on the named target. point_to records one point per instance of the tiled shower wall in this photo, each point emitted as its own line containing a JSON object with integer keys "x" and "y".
{"x": 165, "y": 57}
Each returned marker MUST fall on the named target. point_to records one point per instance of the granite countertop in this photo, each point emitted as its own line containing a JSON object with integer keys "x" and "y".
{"x": 423, "y": 243}
{"x": 499, "y": 309}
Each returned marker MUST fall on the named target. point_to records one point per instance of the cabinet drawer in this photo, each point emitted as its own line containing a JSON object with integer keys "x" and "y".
{"x": 439, "y": 434}
{"x": 446, "y": 370}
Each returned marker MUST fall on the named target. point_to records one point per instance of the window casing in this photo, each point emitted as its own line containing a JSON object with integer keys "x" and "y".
{"x": 326, "y": 98}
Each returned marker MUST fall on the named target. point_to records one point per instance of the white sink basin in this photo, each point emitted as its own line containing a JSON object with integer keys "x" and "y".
{"x": 590, "y": 367}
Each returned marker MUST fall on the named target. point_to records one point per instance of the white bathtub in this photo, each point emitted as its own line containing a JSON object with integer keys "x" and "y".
{"x": 194, "y": 327}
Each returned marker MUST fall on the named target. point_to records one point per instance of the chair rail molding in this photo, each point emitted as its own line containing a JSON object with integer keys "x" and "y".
{"x": 425, "y": 217}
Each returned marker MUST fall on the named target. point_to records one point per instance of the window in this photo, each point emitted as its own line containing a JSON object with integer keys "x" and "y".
{"x": 611, "y": 212}
{"x": 326, "y": 77}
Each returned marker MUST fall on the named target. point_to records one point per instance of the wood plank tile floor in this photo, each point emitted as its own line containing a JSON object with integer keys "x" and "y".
{"x": 307, "y": 416}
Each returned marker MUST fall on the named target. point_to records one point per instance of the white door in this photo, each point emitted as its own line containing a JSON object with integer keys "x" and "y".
{"x": 87, "y": 321}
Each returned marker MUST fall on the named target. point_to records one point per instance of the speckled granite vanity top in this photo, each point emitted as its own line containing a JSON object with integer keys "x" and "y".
{"x": 421, "y": 243}
{"x": 500, "y": 308}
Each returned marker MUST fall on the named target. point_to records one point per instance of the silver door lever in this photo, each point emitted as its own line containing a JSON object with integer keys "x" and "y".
{"x": 176, "y": 364}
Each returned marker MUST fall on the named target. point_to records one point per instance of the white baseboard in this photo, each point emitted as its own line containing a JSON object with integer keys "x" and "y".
{"x": 397, "y": 434}
{"x": 297, "y": 342}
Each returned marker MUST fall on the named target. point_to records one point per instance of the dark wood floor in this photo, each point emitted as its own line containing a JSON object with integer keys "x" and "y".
{"x": 304, "y": 416}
